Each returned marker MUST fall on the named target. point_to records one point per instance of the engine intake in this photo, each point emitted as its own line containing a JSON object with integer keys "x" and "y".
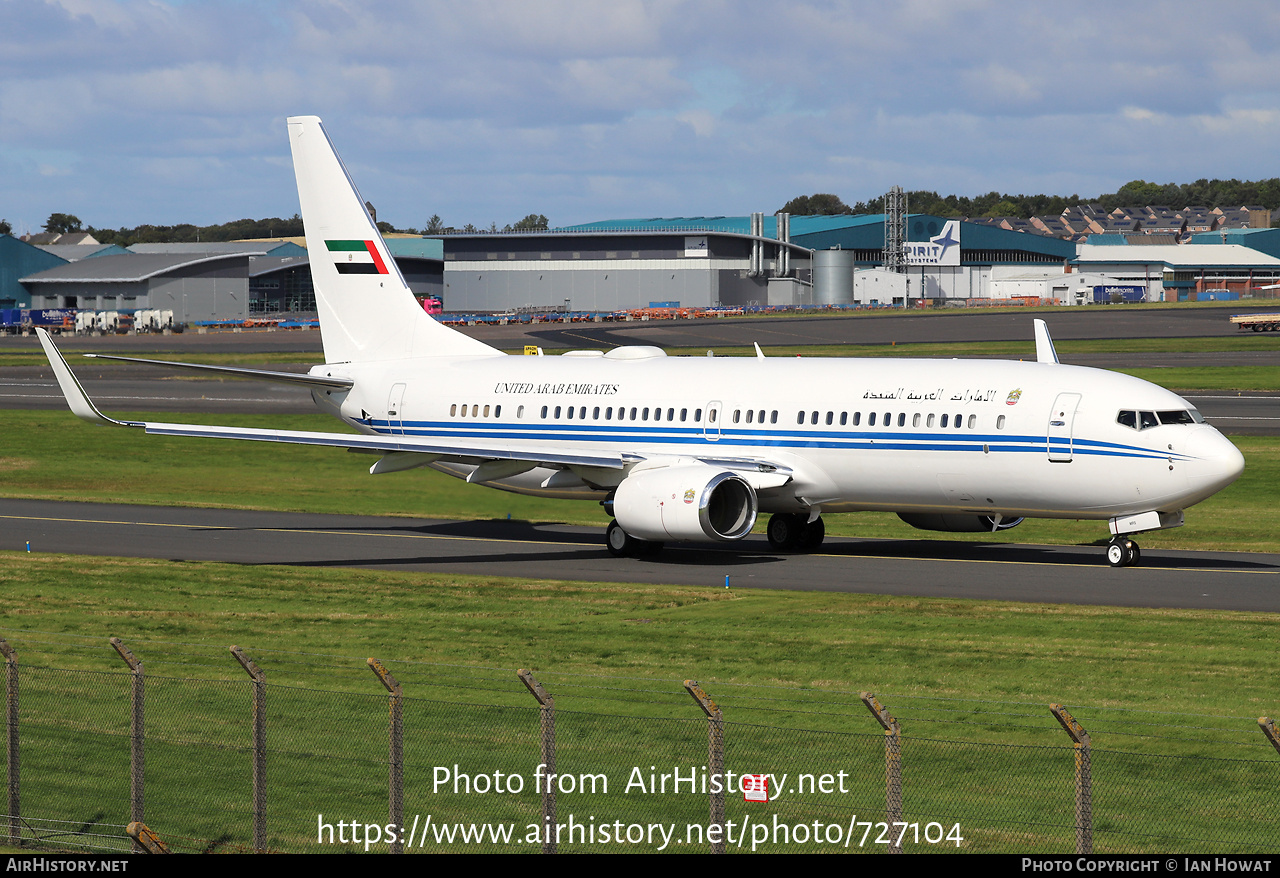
{"x": 689, "y": 502}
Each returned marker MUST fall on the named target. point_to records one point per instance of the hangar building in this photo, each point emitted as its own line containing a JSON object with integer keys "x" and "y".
{"x": 727, "y": 261}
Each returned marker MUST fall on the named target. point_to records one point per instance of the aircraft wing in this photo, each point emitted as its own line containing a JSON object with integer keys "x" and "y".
{"x": 465, "y": 451}
{"x": 458, "y": 449}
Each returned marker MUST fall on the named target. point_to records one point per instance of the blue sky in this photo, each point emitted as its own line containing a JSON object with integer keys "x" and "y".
{"x": 131, "y": 111}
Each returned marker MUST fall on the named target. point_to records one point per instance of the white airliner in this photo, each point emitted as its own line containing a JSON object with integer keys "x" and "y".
{"x": 694, "y": 448}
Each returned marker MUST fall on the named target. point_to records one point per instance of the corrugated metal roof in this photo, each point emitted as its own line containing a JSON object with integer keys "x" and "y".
{"x": 1188, "y": 256}
{"x": 128, "y": 268}
{"x": 76, "y": 252}
{"x": 733, "y": 225}
{"x": 253, "y": 248}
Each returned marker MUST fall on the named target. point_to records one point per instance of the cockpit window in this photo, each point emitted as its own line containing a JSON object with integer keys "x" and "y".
{"x": 1144, "y": 420}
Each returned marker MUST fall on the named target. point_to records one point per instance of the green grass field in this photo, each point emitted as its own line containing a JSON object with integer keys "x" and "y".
{"x": 1164, "y": 694}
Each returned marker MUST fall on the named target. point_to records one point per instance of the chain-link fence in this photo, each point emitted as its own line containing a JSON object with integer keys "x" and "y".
{"x": 484, "y": 759}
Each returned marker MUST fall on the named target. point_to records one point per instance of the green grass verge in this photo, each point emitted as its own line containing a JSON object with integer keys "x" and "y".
{"x": 1162, "y": 692}
{"x": 1217, "y": 662}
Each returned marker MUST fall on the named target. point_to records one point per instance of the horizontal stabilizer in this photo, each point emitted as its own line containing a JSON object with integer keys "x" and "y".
{"x": 237, "y": 372}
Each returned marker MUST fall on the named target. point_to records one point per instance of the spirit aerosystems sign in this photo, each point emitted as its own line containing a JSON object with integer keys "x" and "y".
{"x": 942, "y": 249}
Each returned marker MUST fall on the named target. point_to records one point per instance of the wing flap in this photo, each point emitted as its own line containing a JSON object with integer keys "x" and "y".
{"x": 385, "y": 444}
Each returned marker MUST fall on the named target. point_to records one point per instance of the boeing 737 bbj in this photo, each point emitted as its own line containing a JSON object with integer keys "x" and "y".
{"x": 694, "y": 448}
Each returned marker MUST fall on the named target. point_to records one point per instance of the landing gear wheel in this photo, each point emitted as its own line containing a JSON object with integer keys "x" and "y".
{"x": 1122, "y": 552}
{"x": 619, "y": 543}
{"x": 1116, "y": 554}
{"x": 814, "y": 533}
{"x": 784, "y": 532}
{"x": 1135, "y": 554}
{"x": 791, "y": 532}
{"x": 623, "y": 545}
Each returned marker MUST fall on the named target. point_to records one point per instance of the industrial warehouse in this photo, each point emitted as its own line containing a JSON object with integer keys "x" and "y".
{"x": 749, "y": 262}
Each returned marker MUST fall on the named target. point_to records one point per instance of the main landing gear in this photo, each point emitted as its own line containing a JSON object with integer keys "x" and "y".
{"x": 1123, "y": 552}
{"x": 623, "y": 545}
{"x": 791, "y": 532}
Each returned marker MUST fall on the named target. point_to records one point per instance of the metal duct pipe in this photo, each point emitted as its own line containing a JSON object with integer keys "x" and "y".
{"x": 757, "y": 248}
{"x": 784, "y": 253}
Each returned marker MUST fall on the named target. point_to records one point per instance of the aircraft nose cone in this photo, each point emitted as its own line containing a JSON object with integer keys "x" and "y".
{"x": 1213, "y": 461}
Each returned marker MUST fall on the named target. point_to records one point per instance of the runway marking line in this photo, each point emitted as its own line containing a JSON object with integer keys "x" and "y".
{"x": 292, "y": 530}
{"x": 295, "y": 530}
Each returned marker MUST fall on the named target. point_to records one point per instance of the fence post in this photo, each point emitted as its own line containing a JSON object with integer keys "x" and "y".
{"x": 892, "y": 764}
{"x": 715, "y": 759}
{"x": 145, "y": 839}
{"x": 11, "y": 740}
{"x": 547, "y": 711}
{"x": 1268, "y": 726}
{"x": 137, "y": 734}
{"x": 259, "y": 748}
{"x": 395, "y": 756}
{"x": 1084, "y": 778}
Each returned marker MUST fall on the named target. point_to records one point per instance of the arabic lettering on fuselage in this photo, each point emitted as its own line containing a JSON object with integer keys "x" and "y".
{"x": 933, "y": 395}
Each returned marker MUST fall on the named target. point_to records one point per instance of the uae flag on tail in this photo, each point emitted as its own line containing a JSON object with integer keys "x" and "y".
{"x": 356, "y": 257}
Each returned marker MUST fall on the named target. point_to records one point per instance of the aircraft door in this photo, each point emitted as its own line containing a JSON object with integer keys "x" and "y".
{"x": 395, "y": 405}
{"x": 1061, "y": 421}
{"x": 711, "y": 420}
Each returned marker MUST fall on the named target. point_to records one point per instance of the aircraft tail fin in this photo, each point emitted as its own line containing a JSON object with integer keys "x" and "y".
{"x": 367, "y": 311}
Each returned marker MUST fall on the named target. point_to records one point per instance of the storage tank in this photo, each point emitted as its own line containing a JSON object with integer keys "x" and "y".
{"x": 833, "y": 277}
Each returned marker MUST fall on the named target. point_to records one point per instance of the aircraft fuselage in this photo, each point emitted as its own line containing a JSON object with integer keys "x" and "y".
{"x": 986, "y": 436}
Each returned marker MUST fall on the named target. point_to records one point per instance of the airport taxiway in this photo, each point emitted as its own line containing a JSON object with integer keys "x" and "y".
{"x": 920, "y": 568}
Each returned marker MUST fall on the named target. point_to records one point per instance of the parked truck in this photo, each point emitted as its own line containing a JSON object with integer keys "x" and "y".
{"x": 56, "y": 320}
{"x": 1257, "y": 322}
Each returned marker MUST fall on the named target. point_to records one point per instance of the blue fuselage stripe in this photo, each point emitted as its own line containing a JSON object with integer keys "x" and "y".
{"x": 833, "y": 439}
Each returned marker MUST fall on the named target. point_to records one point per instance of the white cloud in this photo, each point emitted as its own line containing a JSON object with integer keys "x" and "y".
{"x": 489, "y": 110}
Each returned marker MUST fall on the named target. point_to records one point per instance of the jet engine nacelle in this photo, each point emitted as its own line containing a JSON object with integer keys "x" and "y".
{"x": 951, "y": 522}
{"x": 685, "y": 502}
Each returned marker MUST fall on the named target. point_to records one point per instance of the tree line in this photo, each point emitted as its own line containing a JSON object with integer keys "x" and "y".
{"x": 1136, "y": 193}
{"x": 247, "y": 229}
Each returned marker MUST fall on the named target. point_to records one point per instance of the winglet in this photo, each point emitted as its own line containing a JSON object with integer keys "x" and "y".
{"x": 77, "y": 399}
{"x": 1044, "y": 343}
